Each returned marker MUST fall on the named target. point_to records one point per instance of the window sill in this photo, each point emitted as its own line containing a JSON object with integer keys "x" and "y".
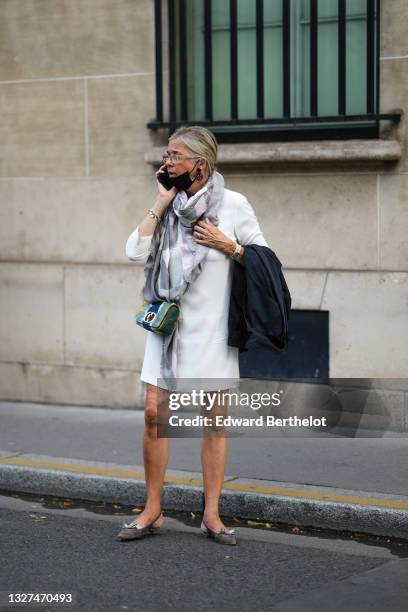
{"x": 371, "y": 151}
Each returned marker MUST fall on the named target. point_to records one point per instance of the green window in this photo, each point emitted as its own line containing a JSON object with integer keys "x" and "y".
{"x": 273, "y": 61}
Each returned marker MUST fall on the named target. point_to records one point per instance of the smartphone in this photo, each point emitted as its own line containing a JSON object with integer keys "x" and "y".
{"x": 165, "y": 180}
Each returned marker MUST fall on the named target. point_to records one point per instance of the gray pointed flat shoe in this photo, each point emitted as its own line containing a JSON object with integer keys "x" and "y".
{"x": 133, "y": 531}
{"x": 223, "y": 536}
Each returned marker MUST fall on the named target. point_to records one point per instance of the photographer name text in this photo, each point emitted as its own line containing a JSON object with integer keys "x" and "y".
{"x": 259, "y": 421}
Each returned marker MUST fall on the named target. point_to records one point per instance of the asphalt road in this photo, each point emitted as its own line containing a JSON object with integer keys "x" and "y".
{"x": 49, "y": 547}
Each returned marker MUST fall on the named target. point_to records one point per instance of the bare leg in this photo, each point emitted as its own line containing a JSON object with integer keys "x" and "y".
{"x": 155, "y": 452}
{"x": 213, "y": 459}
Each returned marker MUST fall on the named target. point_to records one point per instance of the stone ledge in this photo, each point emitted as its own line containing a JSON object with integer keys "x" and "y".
{"x": 310, "y": 152}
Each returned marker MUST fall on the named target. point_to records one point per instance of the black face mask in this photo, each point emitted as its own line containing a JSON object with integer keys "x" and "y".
{"x": 183, "y": 181}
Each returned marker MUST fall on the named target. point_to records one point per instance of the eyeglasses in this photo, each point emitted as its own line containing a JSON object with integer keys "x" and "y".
{"x": 176, "y": 159}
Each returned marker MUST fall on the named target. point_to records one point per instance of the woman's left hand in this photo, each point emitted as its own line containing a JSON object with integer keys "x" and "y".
{"x": 208, "y": 234}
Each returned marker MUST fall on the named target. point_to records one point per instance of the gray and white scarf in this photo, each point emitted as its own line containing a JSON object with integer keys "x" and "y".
{"x": 175, "y": 260}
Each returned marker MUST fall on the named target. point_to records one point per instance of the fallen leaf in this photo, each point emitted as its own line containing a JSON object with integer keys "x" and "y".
{"x": 295, "y": 530}
{"x": 192, "y": 515}
{"x": 136, "y": 510}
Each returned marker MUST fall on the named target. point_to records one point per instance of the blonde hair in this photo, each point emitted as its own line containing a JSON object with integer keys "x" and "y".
{"x": 200, "y": 141}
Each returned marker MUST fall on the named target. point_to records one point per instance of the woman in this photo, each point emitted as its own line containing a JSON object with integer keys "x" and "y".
{"x": 204, "y": 227}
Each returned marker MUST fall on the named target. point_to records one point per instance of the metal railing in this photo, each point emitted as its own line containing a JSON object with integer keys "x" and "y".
{"x": 311, "y": 124}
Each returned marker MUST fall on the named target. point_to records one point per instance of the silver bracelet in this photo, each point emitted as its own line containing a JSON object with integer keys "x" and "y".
{"x": 153, "y": 215}
{"x": 237, "y": 251}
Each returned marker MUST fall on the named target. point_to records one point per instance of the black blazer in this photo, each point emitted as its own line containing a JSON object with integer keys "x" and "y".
{"x": 260, "y": 302}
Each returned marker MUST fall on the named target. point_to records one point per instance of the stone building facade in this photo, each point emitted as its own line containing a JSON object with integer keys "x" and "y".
{"x": 77, "y": 89}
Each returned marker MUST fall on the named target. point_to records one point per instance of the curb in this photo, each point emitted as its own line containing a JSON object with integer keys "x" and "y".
{"x": 270, "y": 501}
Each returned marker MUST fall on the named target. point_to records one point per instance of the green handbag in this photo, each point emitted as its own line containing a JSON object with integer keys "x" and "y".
{"x": 158, "y": 317}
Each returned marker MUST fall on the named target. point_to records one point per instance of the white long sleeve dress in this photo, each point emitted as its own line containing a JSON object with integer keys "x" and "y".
{"x": 203, "y": 322}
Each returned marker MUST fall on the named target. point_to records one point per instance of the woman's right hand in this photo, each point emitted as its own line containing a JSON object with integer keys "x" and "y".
{"x": 166, "y": 195}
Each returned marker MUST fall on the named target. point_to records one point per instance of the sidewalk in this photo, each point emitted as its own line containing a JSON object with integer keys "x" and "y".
{"x": 335, "y": 482}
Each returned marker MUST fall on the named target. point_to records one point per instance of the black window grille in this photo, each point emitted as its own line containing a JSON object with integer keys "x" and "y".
{"x": 197, "y": 88}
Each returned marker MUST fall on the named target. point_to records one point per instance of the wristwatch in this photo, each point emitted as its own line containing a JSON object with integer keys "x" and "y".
{"x": 237, "y": 251}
